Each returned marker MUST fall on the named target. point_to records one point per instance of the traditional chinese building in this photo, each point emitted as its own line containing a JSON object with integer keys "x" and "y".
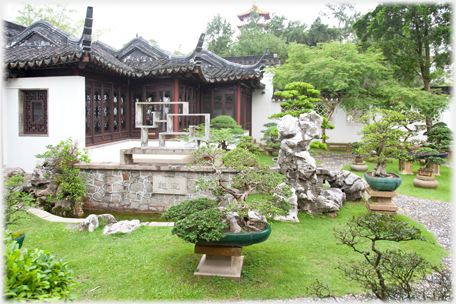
{"x": 57, "y": 86}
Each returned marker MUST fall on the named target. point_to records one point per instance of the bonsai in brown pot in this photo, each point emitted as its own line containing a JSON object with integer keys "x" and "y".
{"x": 425, "y": 177}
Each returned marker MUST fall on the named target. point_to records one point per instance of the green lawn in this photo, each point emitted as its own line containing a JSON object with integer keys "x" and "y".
{"x": 152, "y": 264}
{"x": 442, "y": 193}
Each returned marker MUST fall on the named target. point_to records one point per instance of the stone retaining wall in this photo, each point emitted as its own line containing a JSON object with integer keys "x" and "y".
{"x": 130, "y": 188}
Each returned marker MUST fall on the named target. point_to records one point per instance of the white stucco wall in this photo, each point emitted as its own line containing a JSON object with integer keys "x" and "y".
{"x": 66, "y": 118}
{"x": 263, "y": 107}
{"x": 344, "y": 131}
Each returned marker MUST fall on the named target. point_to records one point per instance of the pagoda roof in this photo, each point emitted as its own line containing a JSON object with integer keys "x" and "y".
{"x": 254, "y": 8}
{"x": 43, "y": 45}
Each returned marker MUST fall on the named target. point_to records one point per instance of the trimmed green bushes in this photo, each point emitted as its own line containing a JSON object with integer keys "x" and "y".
{"x": 35, "y": 275}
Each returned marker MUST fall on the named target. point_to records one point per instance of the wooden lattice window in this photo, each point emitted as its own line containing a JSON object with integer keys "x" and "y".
{"x": 354, "y": 114}
{"x": 322, "y": 110}
{"x": 35, "y": 112}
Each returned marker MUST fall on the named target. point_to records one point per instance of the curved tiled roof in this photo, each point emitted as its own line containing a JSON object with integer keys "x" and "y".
{"x": 42, "y": 44}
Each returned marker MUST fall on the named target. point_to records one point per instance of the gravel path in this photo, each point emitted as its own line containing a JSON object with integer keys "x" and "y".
{"x": 437, "y": 217}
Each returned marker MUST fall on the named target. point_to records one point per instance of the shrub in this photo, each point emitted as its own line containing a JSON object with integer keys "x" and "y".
{"x": 35, "y": 275}
{"x": 15, "y": 199}
{"x": 204, "y": 225}
{"x": 271, "y": 135}
{"x": 226, "y": 122}
{"x": 318, "y": 145}
{"x": 62, "y": 157}
{"x": 185, "y": 208}
{"x": 245, "y": 142}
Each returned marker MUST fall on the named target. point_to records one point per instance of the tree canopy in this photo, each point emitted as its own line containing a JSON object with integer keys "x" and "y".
{"x": 343, "y": 75}
{"x": 219, "y": 34}
{"x": 414, "y": 37}
{"x": 319, "y": 33}
{"x": 57, "y": 14}
{"x": 254, "y": 42}
{"x": 346, "y": 15}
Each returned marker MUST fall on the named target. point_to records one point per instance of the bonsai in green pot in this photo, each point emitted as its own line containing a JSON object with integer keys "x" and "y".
{"x": 248, "y": 175}
{"x": 382, "y": 137}
{"x": 220, "y": 228}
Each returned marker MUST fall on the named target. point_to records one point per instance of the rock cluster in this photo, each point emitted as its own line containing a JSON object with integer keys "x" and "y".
{"x": 112, "y": 225}
{"x": 351, "y": 184}
{"x": 45, "y": 187}
{"x": 296, "y": 135}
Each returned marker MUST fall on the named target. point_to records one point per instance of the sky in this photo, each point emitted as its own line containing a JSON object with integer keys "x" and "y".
{"x": 177, "y": 22}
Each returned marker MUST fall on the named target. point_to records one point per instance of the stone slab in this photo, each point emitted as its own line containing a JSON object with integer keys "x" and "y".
{"x": 144, "y": 167}
{"x": 388, "y": 208}
{"x": 53, "y": 218}
{"x": 220, "y": 266}
{"x": 161, "y": 224}
{"x": 376, "y": 193}
{"x": 218, "y": 250}
{"x": 169, "y": 185}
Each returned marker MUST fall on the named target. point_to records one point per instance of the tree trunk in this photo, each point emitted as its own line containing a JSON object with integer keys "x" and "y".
{"x": 380, "y": 170}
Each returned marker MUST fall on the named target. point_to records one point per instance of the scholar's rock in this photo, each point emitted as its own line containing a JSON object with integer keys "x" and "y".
{"x": 300, "y": 168}
{"x": 93, "y": 221}
{"x": 122, "y": 227}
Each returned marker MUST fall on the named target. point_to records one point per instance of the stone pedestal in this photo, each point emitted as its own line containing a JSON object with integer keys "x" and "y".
{"x": 381, "y": 201}
{"x": 405, "y": 167}
{"x": 220, "y": 261}
{"x": 436, "y": 168}
{"x": 427, "y": 182}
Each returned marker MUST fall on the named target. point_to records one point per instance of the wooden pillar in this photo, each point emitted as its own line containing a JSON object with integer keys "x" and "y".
{"x": 176, "y": 106}
{"x": 238, "y": 103}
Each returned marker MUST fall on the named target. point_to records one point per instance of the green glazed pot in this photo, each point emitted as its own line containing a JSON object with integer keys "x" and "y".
{"x": 20, "y": 240}
{"x": 242, "y": 239}
{"x": 383, "y": 183}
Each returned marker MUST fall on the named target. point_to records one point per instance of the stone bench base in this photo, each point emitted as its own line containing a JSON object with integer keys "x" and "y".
{"x": 381, "y": 201}
{"x": 220, "y": 261}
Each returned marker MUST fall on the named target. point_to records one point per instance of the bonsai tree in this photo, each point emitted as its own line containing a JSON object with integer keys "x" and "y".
{"x": 224, "y": 132}
{"x": 355, "y": 150}
{"x": 245, "y": 142}
{"x": 226, "y": 123}
{"x": 430, "y": 157}
{"x": 300, "y": 98}
{"x": 233, "y": 211}
{"x": 390, "y": 274}
{"x": 382, "y": 136}
{"x": 271, "y": 135}
{"x": 439, "y": 136}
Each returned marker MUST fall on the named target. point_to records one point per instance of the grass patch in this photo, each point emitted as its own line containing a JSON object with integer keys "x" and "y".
{"x": 266, "y": 159}
{"x": 152, "y": 264}
{"x": 442, "y": 193}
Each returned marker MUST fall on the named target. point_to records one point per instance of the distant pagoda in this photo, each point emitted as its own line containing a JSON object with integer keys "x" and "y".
{"x": 245, "y": 17}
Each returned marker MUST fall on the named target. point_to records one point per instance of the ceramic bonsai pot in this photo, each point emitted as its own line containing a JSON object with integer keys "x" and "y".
{"x": 383, "y": 183}
{"x": 241, "y": 239}
{"x": 425, "y": 171}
